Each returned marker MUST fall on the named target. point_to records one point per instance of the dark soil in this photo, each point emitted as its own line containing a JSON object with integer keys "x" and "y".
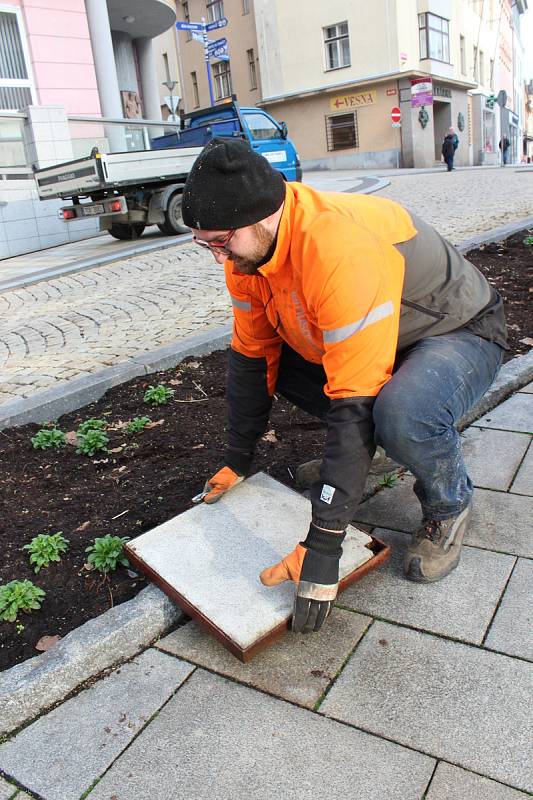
{"x": 146, "y": 478}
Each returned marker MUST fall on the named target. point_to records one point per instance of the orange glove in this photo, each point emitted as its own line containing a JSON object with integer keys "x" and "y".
{"x": 224, "y": 480}
{"x": 314, "y": 566}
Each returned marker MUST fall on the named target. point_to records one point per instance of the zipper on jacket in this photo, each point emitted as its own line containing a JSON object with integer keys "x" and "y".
{"x": 423, "y": 309}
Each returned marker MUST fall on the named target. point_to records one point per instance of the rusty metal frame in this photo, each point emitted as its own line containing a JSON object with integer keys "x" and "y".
{"x": 381, "y": 554}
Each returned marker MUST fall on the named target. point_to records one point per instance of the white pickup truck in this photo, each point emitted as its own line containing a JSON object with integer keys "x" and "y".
{"x": 126, "y": 191}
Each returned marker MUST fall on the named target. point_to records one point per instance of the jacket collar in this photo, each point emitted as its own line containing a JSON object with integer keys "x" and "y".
{"x": 283, "y": 243}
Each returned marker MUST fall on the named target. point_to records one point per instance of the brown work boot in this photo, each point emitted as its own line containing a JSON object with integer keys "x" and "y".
{"x": 435, "y": 548}
{"x": 309, "y": 472}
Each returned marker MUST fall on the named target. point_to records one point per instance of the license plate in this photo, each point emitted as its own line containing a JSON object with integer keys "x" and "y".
{"x": 91, "y": 211}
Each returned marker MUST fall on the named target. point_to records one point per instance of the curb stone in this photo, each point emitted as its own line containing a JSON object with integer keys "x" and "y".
{"x": 115, "y": 636}
{"x": 29, "y": 688}
{"x": 495, "y": 235}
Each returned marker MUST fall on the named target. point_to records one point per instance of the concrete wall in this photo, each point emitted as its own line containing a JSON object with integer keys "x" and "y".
{"x": 378, "y": 140}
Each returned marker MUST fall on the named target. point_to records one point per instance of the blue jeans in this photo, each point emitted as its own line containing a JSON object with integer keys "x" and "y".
{"x": 435, "y": 382}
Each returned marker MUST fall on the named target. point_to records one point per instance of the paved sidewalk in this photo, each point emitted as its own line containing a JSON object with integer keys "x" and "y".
{"x": 410, "y": 691}
{"x": 78, "y": 324}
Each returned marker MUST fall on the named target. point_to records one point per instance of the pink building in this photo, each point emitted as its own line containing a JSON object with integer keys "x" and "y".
{"x": 92, "y": 57}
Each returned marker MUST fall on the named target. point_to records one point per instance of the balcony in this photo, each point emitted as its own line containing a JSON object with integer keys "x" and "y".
{"x": 141, "y": 18}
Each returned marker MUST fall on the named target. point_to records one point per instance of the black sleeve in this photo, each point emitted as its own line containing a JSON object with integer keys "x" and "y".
{"x": 248, "y": 408}
{"x": 348, "y": 454}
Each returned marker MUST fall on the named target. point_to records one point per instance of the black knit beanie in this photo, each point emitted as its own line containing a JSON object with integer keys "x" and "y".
{"x": 230, "y": 186}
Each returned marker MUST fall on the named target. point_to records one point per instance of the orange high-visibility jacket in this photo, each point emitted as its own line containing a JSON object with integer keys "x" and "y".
{"x": 333, "y": 291}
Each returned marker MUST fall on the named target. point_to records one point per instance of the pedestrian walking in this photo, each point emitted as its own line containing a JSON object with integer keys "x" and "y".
{"x": 361, "y": 314}
{"x": 449, "y": 146}
{"x": 504, "y": 145}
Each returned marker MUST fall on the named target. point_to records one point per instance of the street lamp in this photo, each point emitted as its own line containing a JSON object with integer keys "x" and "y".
{"x": 170, "y": 86}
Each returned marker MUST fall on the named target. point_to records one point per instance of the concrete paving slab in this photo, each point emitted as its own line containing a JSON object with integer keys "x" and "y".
{"x": 512, "y": 629}
{"x": 212, "y": 555}
{"x": 453, "y": 783}
{"x": 295, "y": 668}
{"x": 500, "y": 521}
{"x": 492, "y": 457}
{"x": 523, "y": 483}
{"x": 528, "y": 389}
{"x": 216, "y": 739}
{"x": 7, "y": 790}
{"x": 450, "y": 700}
{"x": 61, "y": 754}
{"x": 514, "y": 414}
{"x": 460, "y": 606}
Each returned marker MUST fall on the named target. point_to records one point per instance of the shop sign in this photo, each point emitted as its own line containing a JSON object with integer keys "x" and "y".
{"x": 440, "y": 91}
{"x": 344, "y": 102}
{"x": 421, "y": 92}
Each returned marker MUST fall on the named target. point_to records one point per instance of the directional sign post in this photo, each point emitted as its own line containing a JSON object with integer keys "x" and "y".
{"x": 212, "y": 49}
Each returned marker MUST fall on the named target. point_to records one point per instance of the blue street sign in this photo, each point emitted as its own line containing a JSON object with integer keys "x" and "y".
{"x": 218, "y": 43}
{"x": 220, "y": 56}
{"x": 218, "y": 23}
{"x": 190, "y": 26}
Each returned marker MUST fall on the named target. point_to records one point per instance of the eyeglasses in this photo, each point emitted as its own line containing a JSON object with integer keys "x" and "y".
{"x": 221, "y": 244}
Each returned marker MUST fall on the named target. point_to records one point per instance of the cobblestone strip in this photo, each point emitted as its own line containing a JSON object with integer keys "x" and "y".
{"x": 77, "y": 325}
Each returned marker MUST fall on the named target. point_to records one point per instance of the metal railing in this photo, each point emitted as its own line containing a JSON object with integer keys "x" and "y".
{"x": 117, "y": 135}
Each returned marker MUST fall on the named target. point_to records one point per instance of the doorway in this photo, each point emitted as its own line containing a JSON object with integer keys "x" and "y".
{"x": 442, "y": 120}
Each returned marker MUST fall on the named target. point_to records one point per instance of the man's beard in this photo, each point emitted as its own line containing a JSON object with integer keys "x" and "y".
{"x": 263, "y": 250}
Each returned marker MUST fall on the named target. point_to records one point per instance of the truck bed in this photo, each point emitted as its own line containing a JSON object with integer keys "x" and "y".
{"x": 109, "y": 171}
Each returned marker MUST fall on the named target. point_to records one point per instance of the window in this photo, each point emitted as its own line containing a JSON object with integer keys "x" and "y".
{"x": 15, "y": 83}
{"x": 195, "y": 93}
{"x": 261, "y": 127}
{"x": 186, "y": 18}
{"x": 481, "y": 68}
{"x": 475, "y": 62}
{"x": 491, "y": 78}
{"x": 222, "y": 79}
{"x": 215, "y": 10}
{"x": 341, "y": 131}
{"x": 337, "y": 44}
{"x": 434, "y": 37}
{"x": 463, "y": 54}
{"x": 251, "y": 67}
{"x": 245, "y": 6}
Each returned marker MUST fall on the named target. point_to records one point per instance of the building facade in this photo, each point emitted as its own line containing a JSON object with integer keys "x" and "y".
{"x": 334, "y": 72}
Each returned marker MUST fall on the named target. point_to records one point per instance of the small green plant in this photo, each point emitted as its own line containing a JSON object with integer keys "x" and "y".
{"x": 137, "y": 424}
{"x": 91, "y": 425}
{"x": 20, "y": 628}
{"x": 107, "y": 553}
{"x": 92, "y": 442}
{"x": 388, "y": 481}
{"x": 528, "y": 241}
{"x": 45, "y": 548}
{"x": 158, "y": 395}
{"x": 17, "y": 596}
{"x": 47, "y": 438}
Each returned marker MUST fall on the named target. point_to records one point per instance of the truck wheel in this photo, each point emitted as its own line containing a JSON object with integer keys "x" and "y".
{"x": 124, "y": 230}
{"x": 173, "y": 224}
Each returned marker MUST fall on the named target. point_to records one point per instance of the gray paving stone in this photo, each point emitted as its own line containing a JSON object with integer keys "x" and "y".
{"x": 492, "y": 457}
{"x": 512, "y": 629}
{"x": 7, "y": 790}
{"x": 295, "y": 668}
{"x": 60, "y": 755}
{"x": 461, "y": 605}
{"x": 216, "y": 739}
{"x": 523, "y": 483}
{"x": 450, "y": 700}
{"x": 528, "y": 389}
{"x": 500, "y": 521}
{"x": 514, "y": 414}
{"x": 453, "y": 783}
